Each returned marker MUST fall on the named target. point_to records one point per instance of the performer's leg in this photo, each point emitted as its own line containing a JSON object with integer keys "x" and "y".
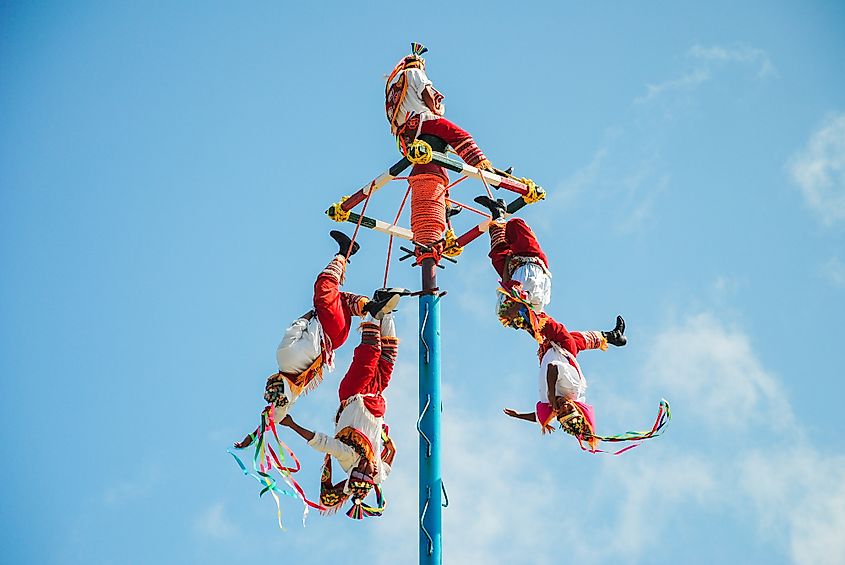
{"x": 461, "y": 141}
{"x": 389, "y": 351}
{"x": 335, "y": 308}
{"x": 522, "y": 240}
{"x": 327, "y": 301}
{"x": 588, "y": 340}
{"x": 499, "y": 248}
{"x": 364, "y": 362}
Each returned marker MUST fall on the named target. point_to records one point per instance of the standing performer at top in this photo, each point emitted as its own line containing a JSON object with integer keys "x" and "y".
{"x": 308, "y": 345}
{"x": 416, "y": 109}
{"x": 361, "y": 443}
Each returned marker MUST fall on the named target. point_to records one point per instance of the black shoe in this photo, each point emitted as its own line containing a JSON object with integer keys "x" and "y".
{"x": 506, "y": 173}
{"x": 343, "y": 243}
{"x": 617, "y": 335}
{"x": 384, "y": 301}
{"x": 497, "y": 207}
{"x": 452, "y": 210}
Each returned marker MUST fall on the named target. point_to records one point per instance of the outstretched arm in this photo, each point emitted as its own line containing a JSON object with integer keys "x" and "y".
{"x": 247, "y": 441}
{"x": 527, "y": 416}
{"x": 304, "y": 433}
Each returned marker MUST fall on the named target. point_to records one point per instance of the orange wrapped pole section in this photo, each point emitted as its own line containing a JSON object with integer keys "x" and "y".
{"x": 428, "y": 208}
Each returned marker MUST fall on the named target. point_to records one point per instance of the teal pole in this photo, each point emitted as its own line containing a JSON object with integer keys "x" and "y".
{"x": 428, "y": 425}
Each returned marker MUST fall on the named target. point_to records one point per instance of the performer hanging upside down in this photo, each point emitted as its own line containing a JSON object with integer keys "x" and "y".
{"x": 562, "y": 386}
{"x": 361, "y": 443}
{"x": 518, "y": 258}
{"x": 526, "y": 291}
{"x": 415, "y": 109}
{"x": 308, "y": 345}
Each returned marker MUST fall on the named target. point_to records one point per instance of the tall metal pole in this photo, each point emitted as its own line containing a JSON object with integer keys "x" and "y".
{"x": 429, "y": 421}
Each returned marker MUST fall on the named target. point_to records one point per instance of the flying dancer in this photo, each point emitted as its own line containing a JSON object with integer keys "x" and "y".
{"x": 524, "y": 293}
{"x": 361, "y": 444}
{"x": 308, "y": 345}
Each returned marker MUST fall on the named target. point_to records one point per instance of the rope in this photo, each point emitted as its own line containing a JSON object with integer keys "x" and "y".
{"x": 390, "y": 242}
{"x": 470, "y": 208}
{"x": 428, "y": 208}
{"x": 487, "y": 188}
{"x": 360, "y": 219}
{"x": 459, "y": 181}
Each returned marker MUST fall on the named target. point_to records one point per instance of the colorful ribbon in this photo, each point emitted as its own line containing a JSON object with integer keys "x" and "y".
{"x": 664, "y": 416}
{"x": 265, "y": 459}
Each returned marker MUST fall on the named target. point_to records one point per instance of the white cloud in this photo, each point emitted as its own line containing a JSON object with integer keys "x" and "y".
{"x": 213, "y": 522}
{"x": 708, "y": 60}
{"x": 688, "y": 81}
{"x": 642, "y": 196}
{"x": 819, "y": 170}
{"x": 834, "y": 272}
{"x": 739, "y": 54}
{"x": 800, "y": 492}
{"x": 510, "y": 488}
{"x": 713, "y": 370}
{"x": 583, "y": 180}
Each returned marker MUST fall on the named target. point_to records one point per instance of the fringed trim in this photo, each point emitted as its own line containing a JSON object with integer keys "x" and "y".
{"x": 309, "y": 379}
{"x": 359, "y": 510}
{"x": 497, "y": 235}
{"x": 516, "y": 261}
{"x": 472, "y": 155}
{"x": 546, "y": 425}
{"x": 595, "y": 340}
{"x": 370, "y": 333}
{"x": 355, "y": 302}
{"x": 525, "y": 318}
{"x": 336, "y": 268}
{"x": 389, "y": 349}
{"x": 332, "y": 496}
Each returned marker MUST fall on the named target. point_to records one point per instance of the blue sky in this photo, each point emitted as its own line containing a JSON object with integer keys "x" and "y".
{"x": 163, "y": 172}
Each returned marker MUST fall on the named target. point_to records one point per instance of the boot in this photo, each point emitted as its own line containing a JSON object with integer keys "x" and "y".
{"x": 452, "y": 210}
{"x": 616, "y": 336}
{"x": 343, "y": 243}
{"x": 384, "y": 300}
{"x": 497, "y": 207}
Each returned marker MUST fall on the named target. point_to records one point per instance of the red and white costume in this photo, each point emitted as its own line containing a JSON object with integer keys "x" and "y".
{"x": 360, "y": 420}
{"x": 410, "y": 117}
{"x": 518, "y": 258}
{"x": 307, "y": 348}
{"x": 560, "y": 348}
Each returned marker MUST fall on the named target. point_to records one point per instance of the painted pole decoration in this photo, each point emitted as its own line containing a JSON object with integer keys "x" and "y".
{"x": 428, "y": 425}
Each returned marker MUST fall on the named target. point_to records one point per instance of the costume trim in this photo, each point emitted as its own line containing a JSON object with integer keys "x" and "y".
{"x": 336, "y": 268}
{"x": 525, "y": 318}
{"x": 595, "y": 340}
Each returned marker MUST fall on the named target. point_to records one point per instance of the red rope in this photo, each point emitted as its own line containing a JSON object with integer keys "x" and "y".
{"x": 481, "y": 176}
{"x": 460, "y": 180}
{"x": 470, "y": 208}
{"x": 390, "y": 242}
{"x": 360, "y": 219}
